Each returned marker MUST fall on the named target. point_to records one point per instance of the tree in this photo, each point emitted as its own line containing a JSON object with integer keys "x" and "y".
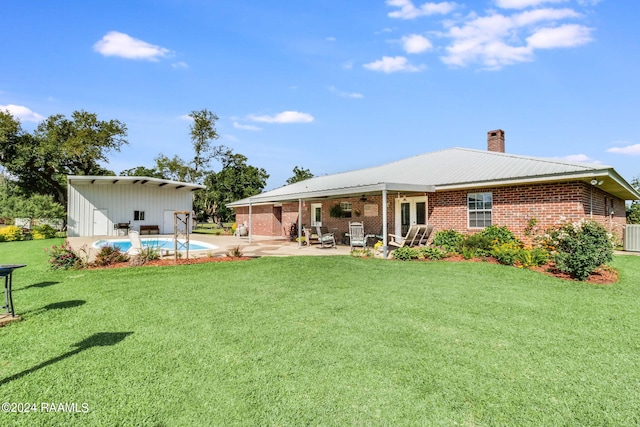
{"x": 203, "y": 133}
{"x": 37, "y": 206}
{"x": 58, "y": 147}
{"x": 235, "y": 181}
{"x": 142, "y": 171}
{"x": 633, "y": 210}
{"x": 299, "y": 174}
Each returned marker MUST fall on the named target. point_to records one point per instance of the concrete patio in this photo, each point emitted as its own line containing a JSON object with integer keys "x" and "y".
{"x": 259, "y": 246}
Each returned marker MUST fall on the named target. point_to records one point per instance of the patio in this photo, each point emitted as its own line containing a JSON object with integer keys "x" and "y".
{"x": 259, "y": 246}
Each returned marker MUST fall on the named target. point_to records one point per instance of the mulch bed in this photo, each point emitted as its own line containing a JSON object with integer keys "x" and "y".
{"x": 601, "y": 276}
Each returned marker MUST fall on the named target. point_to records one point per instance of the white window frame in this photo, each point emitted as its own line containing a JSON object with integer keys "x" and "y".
{"x": 485, "y": 207}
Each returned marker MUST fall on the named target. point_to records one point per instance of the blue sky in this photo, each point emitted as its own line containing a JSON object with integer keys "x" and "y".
{"x": 334, "y": 85}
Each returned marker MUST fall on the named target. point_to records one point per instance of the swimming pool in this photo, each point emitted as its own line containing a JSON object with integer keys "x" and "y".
{"x": 153, "y": 242}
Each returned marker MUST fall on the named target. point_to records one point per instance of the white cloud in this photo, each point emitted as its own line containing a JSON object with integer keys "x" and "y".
{"x": 522, "y": 4}
{"x": 330, "y": 39}
{"x": 567, "y": 35}
{"x": 633, "y": 150}
{"x": 246, "y": 127}
{"x": 284, "y": 117}
{"x": 416, "y": 43}
{"x": 409, "y": 11}
{"x": 180, "y": 65}
{"x": 393, "y": 65}
{"x": 497, "y": 40}
{"x": 345, "y": 94}
{"x": 580, "y": 158}
{"x": 22, "y": 113}
{"x": 115, "y": 43}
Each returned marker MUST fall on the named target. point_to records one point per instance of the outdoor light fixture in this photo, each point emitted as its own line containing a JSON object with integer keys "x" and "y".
{"x": 363, "y": 198}
{"x": 594, "y": 182}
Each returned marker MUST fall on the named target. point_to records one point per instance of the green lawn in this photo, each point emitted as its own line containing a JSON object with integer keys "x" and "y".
{"x": 320, "y": 341}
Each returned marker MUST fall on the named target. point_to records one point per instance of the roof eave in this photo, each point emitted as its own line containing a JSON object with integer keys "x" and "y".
{"x": 334, "y": 192}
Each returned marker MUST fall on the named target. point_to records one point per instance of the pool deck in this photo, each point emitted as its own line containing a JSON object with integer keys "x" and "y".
{"x": 259, "y": 246}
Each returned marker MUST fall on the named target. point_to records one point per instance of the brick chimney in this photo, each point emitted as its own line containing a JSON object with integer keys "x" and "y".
{"x": 495, "y": 140}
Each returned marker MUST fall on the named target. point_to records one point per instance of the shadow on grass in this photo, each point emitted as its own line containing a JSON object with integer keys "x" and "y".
{"x": 37, "y": 285}
{"x": 57, "y": 306}
{"x": 100, "y": 339}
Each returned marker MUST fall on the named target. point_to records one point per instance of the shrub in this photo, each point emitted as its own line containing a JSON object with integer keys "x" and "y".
{"x": 361, "y": 253}
{"x": 532, "y": 257}
{"x": 476, "y": 244}
{"x": 405, "y": 253}
{"x": 146, "y": 254}
{"x": 11, "y": 234}
{"x": 580, "y": 248}
{"x": 499, "y": 235}
{"x": 63, "y": 257}
{"x": 44, "y": 231}
{"x": 432, "y": 252}
{"x": 449, "y": 240}
{"x": 110, "y": 255}
{"x": 506, "y": 253}
{"x": 235, "y": 252}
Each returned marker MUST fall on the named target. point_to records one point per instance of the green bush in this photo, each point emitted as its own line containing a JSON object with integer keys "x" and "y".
{"x": 110, "y": 255}
{"x": 476, "y": 245}
{"x": 506, "y": 253}
{"x": 532, "y": 257}
{"x": 431, "y": 252}
{"x": 44, "y": 231}
{"x": 449, "y": 240}
{"x": 63, "y": 257}
{"x": 580, "y": 248}
{"x": 405, "y": 253}
{"x": 499, "y": 235}
{"x": 11, "y": 234}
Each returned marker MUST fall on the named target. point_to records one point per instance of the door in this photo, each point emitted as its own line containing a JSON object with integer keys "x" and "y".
{"x": 410, "y": 211}
{"x": 100, "y": 222}
{"x": 167, "y": 222}
{"x": 316, "y": 214}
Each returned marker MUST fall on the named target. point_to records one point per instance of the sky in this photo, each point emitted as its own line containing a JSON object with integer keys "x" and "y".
{"x": 334, "y": 85}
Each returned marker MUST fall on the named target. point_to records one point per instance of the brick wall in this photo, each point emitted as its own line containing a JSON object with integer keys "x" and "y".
{"x": 513, "y": 206}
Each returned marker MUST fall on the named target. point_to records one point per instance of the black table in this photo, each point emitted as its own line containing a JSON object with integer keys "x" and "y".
{"x": 6, "y": 271}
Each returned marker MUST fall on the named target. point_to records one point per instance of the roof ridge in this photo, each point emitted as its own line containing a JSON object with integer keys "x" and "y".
{"x": 554, "y": 160}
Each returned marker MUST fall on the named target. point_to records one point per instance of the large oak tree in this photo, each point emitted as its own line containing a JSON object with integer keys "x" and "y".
{"x": 40, "y": 161}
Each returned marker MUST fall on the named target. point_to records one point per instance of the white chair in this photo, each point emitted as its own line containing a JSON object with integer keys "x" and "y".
{"x": 356, "y": 235}
{"x": 325, "y": 238}
{"x": 416, "y": 235}
{"x": 136, "y": 243}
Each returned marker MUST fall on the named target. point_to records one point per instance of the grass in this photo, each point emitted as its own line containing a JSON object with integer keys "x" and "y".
{"x": 320, "y": 341}
{"x": 206, "y": 228}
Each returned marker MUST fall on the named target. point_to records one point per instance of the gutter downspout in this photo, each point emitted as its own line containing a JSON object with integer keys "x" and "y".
{"x": 384, "y": 223}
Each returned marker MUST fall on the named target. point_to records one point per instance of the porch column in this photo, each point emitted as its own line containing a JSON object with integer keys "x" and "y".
{"x": 299, "y": 223}
{"x": 250, "y": 221}
{"x": 384, "y": 223}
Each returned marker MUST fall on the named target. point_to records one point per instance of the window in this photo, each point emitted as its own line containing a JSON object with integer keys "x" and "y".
{"x": 346, "y": 209}
{"x": 479, "y": 205}
{"x": 138, "y": 215}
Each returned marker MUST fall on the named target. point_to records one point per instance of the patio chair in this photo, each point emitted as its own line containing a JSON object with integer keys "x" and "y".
{"x": 416, "y": 235}
{"x": 325, "y": 238}
{"x": 356, "y": 235}
{"x": 136, "y": 243}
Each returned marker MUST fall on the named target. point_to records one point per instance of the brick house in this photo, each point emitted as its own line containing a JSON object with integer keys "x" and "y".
{"x": 457, "y": 188}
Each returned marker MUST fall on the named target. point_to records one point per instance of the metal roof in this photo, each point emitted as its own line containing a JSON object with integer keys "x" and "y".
{"x": 453, "y": 168}
{"x": 133, "y": 180}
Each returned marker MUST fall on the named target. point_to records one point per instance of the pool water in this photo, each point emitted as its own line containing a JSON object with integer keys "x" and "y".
{"x": 156, "y": 243}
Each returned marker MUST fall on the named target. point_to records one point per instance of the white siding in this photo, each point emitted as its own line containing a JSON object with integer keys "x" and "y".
{"x": 120, "y": 200}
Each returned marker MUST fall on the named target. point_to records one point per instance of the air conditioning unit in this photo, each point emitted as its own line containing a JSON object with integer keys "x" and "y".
{"x": 632, "y": 237}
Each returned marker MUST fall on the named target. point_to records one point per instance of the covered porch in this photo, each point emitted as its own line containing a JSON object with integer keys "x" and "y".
{"x": 383, "y": 208}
